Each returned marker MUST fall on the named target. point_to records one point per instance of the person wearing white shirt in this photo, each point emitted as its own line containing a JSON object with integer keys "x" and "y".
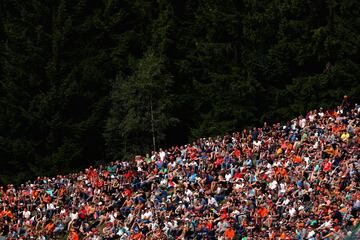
{"x": 228, "y": 177}
{"x": 302, "y": 122}
{"x": 162, "y": 154}
{"x": 273, "y": 185}
{"x": 292, "y": 212}
{"x": 26, "y": 214}
{"x": 74, "y": 215}
{"x": 212, "y": 201}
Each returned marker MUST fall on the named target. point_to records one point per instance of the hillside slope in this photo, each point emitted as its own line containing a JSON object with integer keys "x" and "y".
{"x": 293, "y": 181}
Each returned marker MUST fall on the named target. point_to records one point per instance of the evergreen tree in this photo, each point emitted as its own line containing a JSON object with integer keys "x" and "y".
{"x": 53, "y": 90}
{"x": 140, "y": 105}
{"x": 208, "y": 66}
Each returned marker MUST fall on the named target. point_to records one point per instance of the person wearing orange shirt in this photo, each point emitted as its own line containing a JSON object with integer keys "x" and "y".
{"x": 237, "y": 153}
{"x": 263, "y": 211}
{"x": 297, "y": 159}
{"x": 73, "y": 235}
{"x": 7, "y": 214}
{"x": 283, "y": 236}
{"x": 229, "y": 233}
{"x": 49, "y": 228}
{"x": 209, "y": 225}
{"x": 138, "y": 235}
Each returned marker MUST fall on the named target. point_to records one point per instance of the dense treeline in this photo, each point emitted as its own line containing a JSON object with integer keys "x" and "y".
{"x": 83, "y": 81}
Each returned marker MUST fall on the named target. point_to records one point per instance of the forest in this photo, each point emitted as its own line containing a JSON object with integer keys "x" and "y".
{"x": 87, "y": 82}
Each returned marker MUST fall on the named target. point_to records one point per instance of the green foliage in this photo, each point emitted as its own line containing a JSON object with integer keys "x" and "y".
{"x": 78, "y": 78}
{"x": 53, "y": 93}
{"x": 140, "y": 108}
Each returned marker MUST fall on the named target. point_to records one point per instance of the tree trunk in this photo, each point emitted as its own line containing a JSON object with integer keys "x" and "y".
{"x": 152, "y": 123}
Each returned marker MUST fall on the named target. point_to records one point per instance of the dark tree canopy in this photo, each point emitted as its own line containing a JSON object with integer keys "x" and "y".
{"x": 87, "y": 81}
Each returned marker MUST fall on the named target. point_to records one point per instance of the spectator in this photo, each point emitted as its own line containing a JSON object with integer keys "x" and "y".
{"x": 296, "y": 181}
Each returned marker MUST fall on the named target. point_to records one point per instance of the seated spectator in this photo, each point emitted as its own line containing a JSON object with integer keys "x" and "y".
{"x": 296, "y": 181}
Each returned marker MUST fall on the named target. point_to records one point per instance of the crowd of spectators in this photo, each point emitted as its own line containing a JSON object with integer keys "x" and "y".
{"x": 298, "y": 180}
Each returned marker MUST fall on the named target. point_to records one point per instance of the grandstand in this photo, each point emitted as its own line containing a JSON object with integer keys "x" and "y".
{"x": 293, "y": 181}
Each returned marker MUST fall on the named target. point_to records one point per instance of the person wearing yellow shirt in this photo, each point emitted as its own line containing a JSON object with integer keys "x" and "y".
{"x": 330, "y": 150}
{"x": 345, "y": 136}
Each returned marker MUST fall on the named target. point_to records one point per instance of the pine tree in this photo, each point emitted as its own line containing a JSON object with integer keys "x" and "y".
{"x": 53, "y": 90}
{"x": 140, "y": 105}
